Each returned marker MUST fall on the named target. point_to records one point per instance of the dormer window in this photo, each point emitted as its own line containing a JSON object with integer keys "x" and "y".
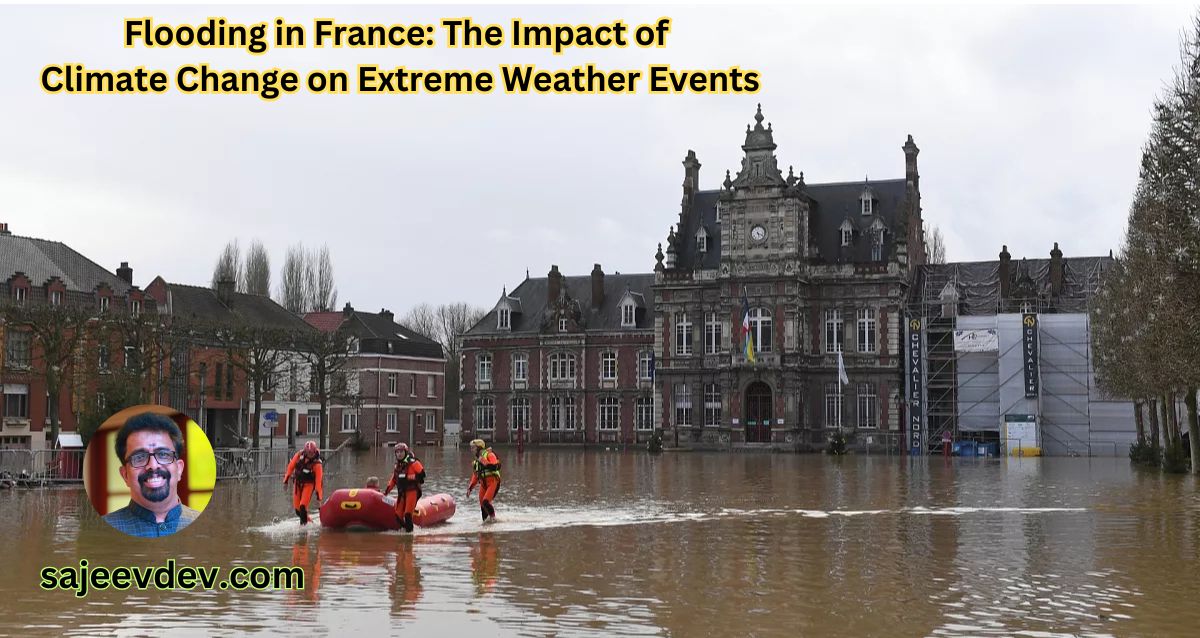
{"x": 55, "y": 297}
{"x": 562, "y": 325}
{"x": 504, "y": 319}
{"x": 104, "y": 304}
{"x": 628, "y": 315}
{"x": 866, "y": 201}
{"x": 847, "y": 234}
{"x": 702, "y": 240}
{"x": 19, "y": 294}
{"x": 352, "y": 345}
{"x": 135, "y": 308}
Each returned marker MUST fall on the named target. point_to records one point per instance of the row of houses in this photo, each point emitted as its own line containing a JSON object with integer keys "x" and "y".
{"x": 391, "y": 381}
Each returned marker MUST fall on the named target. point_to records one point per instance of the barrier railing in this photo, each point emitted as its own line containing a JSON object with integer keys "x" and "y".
{"x": 39, "y": 467}
{"x": 248, "y": 463}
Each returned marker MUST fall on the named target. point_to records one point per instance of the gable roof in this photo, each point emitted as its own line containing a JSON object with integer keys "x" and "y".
{"x": 377, "y": 333}
{"x": 195, "y": 302}
{"x": 536, "y": 310}
{"x": 41, "y": 259}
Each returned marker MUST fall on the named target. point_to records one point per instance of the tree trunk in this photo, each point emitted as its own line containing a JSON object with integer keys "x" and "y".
{"x": 258, "y": 415}
{"x": 1155, "y": 439}
{"x": 54, "y": 387}
{"x": 1138, "y": 421}
{"x": 1193, "y": 429}
{"x": 1166, "y": 420}
{"x": 324, "y": 422}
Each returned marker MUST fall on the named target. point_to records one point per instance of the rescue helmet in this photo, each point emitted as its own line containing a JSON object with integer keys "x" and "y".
{"x": 401, "y": 450}
{"x": 478, "y": 444}
{"x": 310, "y": 449}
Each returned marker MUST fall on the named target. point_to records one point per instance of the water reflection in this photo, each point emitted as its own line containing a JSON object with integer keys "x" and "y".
{"x": 685, "y": 545}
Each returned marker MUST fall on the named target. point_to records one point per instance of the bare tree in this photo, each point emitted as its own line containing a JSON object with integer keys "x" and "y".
{"x": 257, "y": 271}
{"x": 229, "y": 266}
{"x": 56, "y": 337}
{"x": 936, "y": 247}
{"x": 293, "y": 292}
{"x": 453, "y": 321}
{"x": 326, "y": 355}
{"x": 325, "y": 292}
{"x": 259, "y": 352}
{"x": 423, "y": 320}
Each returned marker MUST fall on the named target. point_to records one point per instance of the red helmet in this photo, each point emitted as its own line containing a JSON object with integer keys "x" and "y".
{"x": 310, "y": 448}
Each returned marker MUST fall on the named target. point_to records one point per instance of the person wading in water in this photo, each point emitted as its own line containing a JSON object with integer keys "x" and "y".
{"x": 487, "y": 475}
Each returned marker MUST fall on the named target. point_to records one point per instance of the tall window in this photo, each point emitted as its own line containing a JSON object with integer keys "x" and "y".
{"x": 412, "y": 385}
{"x": 393, "y": 383}
{"x": 393, "y": 421}
{"x": 866, "y": 203}
{"x": 712, "y": 333}
{"x": 504, "y": 316}
{"x": 562, "y": 325}
{"x": 19, "y": 294}
{"x": 431, "y": 386}
{"x": 866, "y": 330}
{"x": 131, "y": 358}
{"x": 519, "y": 412}
{"x": 628, "y": 315}
{"x": 430, "y": 421}
{"x": 562, "y": 413}
{"x": 683, "y": 334}
{"x": 485, "y": 370}
{"x": 646, "y": 365}
{"x": 103, "y": 357}
{"x": 712, "y": 404}
{"x": 520, "y": 368}
{"x": 683, "y": 404}
{"x": 56, "y": 298}
{"x": 833, "y": 405}
{"x": 868, "y": 406}
{"x": 220, "y": 376}
{"x": 17, "y": 349}
{"x": 847, "y": 236}
{"x": 104, "y": 304}
{"x": 702, "y": 241}
{"x": 610, "y": 413}
{"x": 562, "y": 367}
{"x": 876, "y": 252}
{"x": 485, "y": 414}
{"x": 643, "y": 418}
{"x": 16, "y": 401}
{"x": 555, "y": 413}
{"x": 349, "y": 421}
{"x": 608, "y": 366}
{"x": 135, "y": 308}
{"x": 314, "y": 423}
{"x": 760, "y": 329}
{"x": 417, "y": 419}
{"x": 833, "y": 330}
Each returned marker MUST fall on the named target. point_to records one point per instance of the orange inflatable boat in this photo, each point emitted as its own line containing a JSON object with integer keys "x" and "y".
{"x": 367, "y": 509}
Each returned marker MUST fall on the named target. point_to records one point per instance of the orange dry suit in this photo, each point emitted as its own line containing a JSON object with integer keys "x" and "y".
{"x": 407, "y": 477}
{"x": 486, "y": 474}
{"x": 308, "y": 475}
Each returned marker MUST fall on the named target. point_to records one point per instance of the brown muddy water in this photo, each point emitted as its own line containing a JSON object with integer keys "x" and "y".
{"x": 689, "y": 544}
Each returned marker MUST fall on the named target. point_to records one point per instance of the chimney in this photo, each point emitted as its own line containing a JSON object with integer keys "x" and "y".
{"x": 597, "y": 286}
{"x": 553, "y": 285}
{"x": 4, "y": 229}
{"x": 691, "y": 172}
{"x": 1056, "y": 271}
{"x": 387, "y": 315}
{"x": 910, "y": 163}
{"x": 125, "y": 273}
{"x": 1005, "y": 273}
{"x": 225, "y": 292}
{"x": 347, "y": 310}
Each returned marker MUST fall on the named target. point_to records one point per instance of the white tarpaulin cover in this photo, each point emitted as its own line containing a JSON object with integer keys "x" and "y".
{"x": 976, "y": 340}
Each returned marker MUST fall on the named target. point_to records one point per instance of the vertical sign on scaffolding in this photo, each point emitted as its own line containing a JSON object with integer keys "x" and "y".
{"x": 1029, "y": 353}
{"x": 914, "y": 366}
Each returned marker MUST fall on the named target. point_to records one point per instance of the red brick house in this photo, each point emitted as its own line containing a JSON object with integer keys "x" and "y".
{"x": 563, "y": 360}
{"x": 395, "y": 384}
{"x": 39, "y": 271}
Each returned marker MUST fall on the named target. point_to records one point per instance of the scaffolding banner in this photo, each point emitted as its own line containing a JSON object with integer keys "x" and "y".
{"x": 976, "y": 340}
{"x": 1029, "y": 343}
{"x": 915, "y": 371}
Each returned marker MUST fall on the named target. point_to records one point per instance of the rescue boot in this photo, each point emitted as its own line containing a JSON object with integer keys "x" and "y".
{"x": 303, "y": 511}
{"x": 483, "y": 510}
{"x": 408, "y": 523}
{"x": 491, "y": 510}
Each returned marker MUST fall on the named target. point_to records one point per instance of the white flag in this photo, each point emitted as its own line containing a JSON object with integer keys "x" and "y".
{"x": 842, "y": 378}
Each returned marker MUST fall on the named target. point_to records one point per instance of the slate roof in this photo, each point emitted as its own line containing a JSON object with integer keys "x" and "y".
{"x": 978, "y": 284}
{"x": 195, "y": 302}
{"x": 377, "y": 333}
{"x": 831, "y": 204}
{"x": 532, "y": 293}
{"x": 41, "y": 259}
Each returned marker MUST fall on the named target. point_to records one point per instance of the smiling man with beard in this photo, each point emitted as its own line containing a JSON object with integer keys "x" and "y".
{"x": 150, "y": 447}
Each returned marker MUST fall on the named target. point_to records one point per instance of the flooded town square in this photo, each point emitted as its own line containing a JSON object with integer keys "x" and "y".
{"x": 605, "y": 542}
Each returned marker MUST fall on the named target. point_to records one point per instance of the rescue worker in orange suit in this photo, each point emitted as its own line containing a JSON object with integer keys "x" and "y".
{"x": 407, "y": 477}
{"x": 306, "y": 468}
{"x": 486, "y": 474}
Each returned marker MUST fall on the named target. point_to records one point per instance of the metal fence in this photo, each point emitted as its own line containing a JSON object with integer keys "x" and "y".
{"x": 246, "y": 463}
{"x": 41, "y": 467}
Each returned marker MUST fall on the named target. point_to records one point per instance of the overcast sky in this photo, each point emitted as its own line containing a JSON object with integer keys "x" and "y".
{"x": 1030, "y": 122}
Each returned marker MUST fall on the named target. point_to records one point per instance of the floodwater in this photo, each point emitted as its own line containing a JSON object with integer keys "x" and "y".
{"x": 685, "y": 544}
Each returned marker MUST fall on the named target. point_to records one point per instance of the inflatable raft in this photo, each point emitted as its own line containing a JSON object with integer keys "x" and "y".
{"x": 367, "y": 509}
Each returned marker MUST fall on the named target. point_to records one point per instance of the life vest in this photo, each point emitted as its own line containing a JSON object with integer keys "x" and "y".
{"x": 305, "y": 468}
{"x": 484, "y": 471}
{"x": 400, "y": 474}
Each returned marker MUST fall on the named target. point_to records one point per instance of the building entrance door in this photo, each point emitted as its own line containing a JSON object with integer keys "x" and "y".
{"x": 758, "y": 413}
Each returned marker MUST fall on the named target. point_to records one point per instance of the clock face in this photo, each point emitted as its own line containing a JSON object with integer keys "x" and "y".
{"x": 758, "y": 233}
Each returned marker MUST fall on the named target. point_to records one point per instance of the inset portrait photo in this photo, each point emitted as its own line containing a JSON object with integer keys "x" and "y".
{"x": 149, "y": 470}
